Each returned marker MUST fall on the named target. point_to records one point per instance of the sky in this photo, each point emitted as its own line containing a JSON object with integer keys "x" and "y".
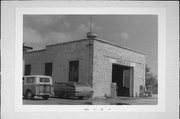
{"x": 138, "y": 32}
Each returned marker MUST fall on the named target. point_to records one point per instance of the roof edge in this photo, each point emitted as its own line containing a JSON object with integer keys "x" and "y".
{"x": 104, "y": 41}
{"x": 41, "y": 50}
{"x": 97, "y": 39}
{"x": 68, "y": 42}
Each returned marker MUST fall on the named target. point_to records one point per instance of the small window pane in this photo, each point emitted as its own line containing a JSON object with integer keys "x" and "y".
{"x": 44, "y": 79}
{"x": 30, "y": 80}
{"x": 81, "y": 84}
{"x": 70, "y": 85}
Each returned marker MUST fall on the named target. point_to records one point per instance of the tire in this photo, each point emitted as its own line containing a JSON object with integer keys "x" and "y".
{"x": 80, "y": 97}
{"x": 45, "y": 97}
{"x": 29, "y": 95}
{"x": 66, "y": 96}
{"x": 60, "y": 95}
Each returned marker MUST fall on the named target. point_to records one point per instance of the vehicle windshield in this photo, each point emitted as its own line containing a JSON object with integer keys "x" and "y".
{"x": 44, "y": 80}
{"x": 82, "y": 84}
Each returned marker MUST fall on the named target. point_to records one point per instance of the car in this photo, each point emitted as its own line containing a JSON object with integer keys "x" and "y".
{"x": 72, "y": 89}
{"x": 37, "y": 85}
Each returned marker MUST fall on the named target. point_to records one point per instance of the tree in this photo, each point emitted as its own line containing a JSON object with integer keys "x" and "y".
{"x": 151, "y": 81}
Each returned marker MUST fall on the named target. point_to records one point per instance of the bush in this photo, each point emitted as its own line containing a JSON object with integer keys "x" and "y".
{"x": 151, "y": 81}
{"x": 149, "y": 93}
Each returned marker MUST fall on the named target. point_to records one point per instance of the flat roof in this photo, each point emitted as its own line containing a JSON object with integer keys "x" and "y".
{"x": 32, "y": 51}
{"x": 97, "y": 39}
{"x": 107, "y": 42}
{"x": 36, "y": 76}
{"x": 27, "y": 47}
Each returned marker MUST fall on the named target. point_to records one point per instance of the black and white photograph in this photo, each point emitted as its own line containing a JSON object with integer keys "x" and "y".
{"x": 64, "y": 60}
{"x": 90, "y": 59}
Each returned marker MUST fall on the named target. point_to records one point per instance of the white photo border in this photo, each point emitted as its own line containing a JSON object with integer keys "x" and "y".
{"x": 161, "y": 12}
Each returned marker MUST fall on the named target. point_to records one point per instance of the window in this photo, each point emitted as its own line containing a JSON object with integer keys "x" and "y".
{"x": 70, "y": 85}
{"x": 82, "y": 84}
{"x": 73, "y": 71}
{"x": 27, "y": 69}
{"x": 44, "y": 79}
{"x": 30, "y": 80}
{"x": 62, "y": 85}
{"x": 48, "y": 69}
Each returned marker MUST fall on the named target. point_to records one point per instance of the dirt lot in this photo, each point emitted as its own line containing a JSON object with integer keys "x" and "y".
{"x": 109, "y": 101}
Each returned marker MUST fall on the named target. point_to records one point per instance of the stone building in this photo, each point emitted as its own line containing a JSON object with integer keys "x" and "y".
{"x": 92, "y": 60}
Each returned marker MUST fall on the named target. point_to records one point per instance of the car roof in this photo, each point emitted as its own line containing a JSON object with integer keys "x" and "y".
{"x": 37, "y": 76}
{"x": 64, "y": 82}
{"x": 70, "y": 82}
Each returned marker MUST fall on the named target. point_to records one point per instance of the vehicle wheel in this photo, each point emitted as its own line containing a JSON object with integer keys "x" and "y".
{"x": 45, "y": 97}
{"x": 29, "y": 95}
{"x": 65, "y": 96}
{"x": 60, "y": 95}
{"x": 80, "y": 97}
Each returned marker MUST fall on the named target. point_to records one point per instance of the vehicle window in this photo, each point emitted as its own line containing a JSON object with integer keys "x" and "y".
{"x": 70, "y": 84}
{"x": 81, "y": 84}
{"x": 62, "y": 85}
{"x": 30, "y": 80}
{"x": 44, "y": 80}
{"x": 59, "y": 84}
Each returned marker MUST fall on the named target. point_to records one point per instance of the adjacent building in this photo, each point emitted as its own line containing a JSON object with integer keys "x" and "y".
{"x": 98, "y": 62}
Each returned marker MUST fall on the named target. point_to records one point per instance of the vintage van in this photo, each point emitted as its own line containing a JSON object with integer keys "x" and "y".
{"x": 37, "y": 85}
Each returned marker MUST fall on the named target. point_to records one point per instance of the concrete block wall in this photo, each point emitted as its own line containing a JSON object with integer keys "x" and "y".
{"x": 95, "y": 66}
{"x": 139, "y": 79}
{"x": 102, "y": 67}
{"x": 60, "y": 55}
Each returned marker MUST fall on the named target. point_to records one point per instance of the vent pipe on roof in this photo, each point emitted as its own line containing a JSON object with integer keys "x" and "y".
{"x": 91, "y": 35}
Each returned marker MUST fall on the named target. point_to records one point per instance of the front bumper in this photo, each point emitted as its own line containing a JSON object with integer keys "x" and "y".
{"x": 42, "y": 94}
{"x": 84, "y": 94}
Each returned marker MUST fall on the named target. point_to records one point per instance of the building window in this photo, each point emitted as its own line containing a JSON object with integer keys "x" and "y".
{"x": 48, "y": 69}
{"x": 73, "y": 71}
{"x": 27, "y": 69}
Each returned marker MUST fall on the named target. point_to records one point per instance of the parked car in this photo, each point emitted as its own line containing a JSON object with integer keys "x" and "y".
{"x": 37, "y": 85}
{"x": 72, "y": 89}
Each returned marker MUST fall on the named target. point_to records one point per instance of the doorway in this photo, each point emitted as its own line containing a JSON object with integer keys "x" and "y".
{"x": 121, "y": 75}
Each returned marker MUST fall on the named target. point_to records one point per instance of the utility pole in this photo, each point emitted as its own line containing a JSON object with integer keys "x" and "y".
{"x": 90, "y": 23}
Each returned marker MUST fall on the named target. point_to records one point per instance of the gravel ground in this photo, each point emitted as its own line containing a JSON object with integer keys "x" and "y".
{"x": 109, "y": 101}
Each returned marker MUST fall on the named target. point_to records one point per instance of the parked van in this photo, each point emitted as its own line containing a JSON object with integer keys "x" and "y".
{"x": 72, "y": 89}
{"x": 37, "y": 85}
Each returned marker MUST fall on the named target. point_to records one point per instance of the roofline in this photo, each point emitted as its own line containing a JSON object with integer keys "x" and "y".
{"x": 104, "y": 41}
{"x": 33, "y": 51}
{"x": 27, "y": 47}
{"x": 97, "y": 39}
{"x": 69, "y": 42}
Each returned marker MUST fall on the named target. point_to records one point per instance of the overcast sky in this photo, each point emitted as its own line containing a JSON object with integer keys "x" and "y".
{"x": 138, "y": 32}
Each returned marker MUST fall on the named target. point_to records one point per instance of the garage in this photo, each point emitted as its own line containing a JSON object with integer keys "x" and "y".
{"x": 121, "y": 76}
{"x": 94, "y": 61}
